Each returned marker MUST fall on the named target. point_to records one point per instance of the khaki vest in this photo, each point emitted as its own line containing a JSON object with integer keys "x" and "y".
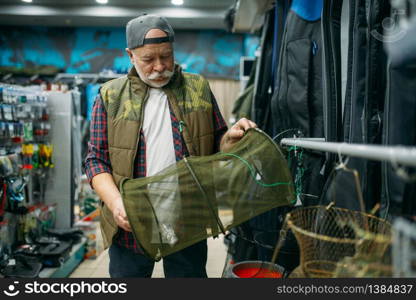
{"x": 190, "y": 99}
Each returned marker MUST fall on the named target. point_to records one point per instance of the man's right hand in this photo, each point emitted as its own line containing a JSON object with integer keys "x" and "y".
{"x": 120, "y": 216}
{"x": 108, "y": 192}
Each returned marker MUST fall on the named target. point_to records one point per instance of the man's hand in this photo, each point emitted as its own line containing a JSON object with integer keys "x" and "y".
{"x": 120, "y": 216}
{"x": 108, "y": 192}
{"x": 235, "y": 133}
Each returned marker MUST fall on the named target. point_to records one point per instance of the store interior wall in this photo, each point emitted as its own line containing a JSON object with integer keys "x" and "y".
{"x": 47, "y": 50}
{"x": 97, "y": 49}
{"x": 226, "y": 92}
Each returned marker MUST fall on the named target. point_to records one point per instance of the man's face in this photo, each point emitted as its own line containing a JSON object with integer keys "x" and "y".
{"x": 153, "y": 62}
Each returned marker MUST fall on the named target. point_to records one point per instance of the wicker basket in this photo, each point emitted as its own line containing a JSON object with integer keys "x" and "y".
{"x": 329, "y": 235}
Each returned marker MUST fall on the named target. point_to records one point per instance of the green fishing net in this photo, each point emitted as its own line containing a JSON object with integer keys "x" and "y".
{"x": 203, "y": 196}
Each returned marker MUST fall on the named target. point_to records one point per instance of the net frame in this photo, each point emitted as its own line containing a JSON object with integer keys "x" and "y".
{"x": 250, "y": 179}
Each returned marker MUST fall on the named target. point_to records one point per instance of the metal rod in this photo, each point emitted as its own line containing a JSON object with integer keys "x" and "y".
{"x": 204, "y": 194}
{"x": 394, "y": 154}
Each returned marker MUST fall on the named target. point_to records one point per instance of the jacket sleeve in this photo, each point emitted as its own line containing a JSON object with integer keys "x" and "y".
{"x": 220, "y": 127}
{"x": 97, "y": 160}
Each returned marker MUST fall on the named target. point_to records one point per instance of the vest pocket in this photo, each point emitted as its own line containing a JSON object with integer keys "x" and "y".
{"x": 123, "y": 133}
{"x": 121, "y": 161}
{"x": 200, "y": 128}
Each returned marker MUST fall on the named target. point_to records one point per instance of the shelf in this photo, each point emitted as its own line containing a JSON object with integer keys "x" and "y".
{"x": 76, "y": 256}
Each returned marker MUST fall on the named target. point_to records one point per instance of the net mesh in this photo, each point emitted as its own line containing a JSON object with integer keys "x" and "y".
{"x": 199, "y": 197}
{"x": 337, "y": 242}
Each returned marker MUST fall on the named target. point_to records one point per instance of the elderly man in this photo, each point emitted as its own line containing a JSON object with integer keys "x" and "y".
{"x": 142, "y": 123}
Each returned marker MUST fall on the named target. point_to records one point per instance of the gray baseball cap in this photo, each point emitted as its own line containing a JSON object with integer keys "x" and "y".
{"x": 137, "y": 28}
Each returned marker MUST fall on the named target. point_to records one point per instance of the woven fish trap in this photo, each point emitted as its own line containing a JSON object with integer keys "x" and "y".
{"x": 328, "y": 235}
{"x": 358, "y": 267}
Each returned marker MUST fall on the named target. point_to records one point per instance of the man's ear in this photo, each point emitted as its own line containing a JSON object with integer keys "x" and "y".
{"x": 130, "y": 54}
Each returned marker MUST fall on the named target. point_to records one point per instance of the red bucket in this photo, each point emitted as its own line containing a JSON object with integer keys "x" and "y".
{"x": 256, "y": 269}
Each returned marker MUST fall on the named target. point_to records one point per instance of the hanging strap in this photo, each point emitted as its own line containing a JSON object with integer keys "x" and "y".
{"x": 332, "y": 100}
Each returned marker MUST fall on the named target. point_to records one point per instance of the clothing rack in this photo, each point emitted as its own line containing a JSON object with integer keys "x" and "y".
{"x": 395, "y": 154}
{"x": 87, "y": 75}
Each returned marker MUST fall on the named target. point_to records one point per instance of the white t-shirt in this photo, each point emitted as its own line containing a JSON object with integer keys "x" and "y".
{"x": 160, "y": 153}
{"x": 157, "y": 130}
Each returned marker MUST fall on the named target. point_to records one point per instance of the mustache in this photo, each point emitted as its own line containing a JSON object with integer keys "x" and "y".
{"x": 157, "y": 75}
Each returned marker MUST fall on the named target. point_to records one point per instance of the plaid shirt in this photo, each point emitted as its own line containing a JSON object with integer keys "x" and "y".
{"x": 98, "y": 160}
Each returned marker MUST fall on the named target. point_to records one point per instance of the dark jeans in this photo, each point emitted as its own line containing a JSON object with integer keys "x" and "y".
{"x": 189, "y": 262}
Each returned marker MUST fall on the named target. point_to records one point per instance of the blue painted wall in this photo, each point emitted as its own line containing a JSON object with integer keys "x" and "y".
{"x": 213, "y": 53}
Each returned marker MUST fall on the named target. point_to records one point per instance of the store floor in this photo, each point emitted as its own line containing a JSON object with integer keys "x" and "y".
{"x": 98, "y": 268}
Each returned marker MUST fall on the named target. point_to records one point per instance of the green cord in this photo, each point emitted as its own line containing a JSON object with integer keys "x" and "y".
{"x": 253, "y": 173}
{"x": 300, "y": 171}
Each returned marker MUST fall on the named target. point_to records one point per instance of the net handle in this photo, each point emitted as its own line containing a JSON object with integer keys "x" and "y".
{"x": 204, "y": 194}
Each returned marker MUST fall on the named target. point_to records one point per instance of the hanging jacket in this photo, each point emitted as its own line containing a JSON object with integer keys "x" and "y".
{"x": 260, "y": 112}
{"x": 297, "y": 99}
{"x": 354, "y": 114}
{"x": 398, "y": 194}
{"x": 243, "y": 104}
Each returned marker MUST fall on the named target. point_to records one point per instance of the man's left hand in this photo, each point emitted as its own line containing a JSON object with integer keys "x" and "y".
{"x": 235, "y": 133}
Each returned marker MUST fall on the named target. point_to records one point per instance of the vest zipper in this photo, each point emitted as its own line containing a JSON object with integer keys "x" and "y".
{"x": 314, "y": 48}
{"x": 140, "y": 128}
{"x": 181, "y": 123}
{"x": 176, "y": 110}
{"x": 135, "y": 154}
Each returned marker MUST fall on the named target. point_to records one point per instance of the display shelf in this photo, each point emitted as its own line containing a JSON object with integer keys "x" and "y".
{"x": 76, "y": 256}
